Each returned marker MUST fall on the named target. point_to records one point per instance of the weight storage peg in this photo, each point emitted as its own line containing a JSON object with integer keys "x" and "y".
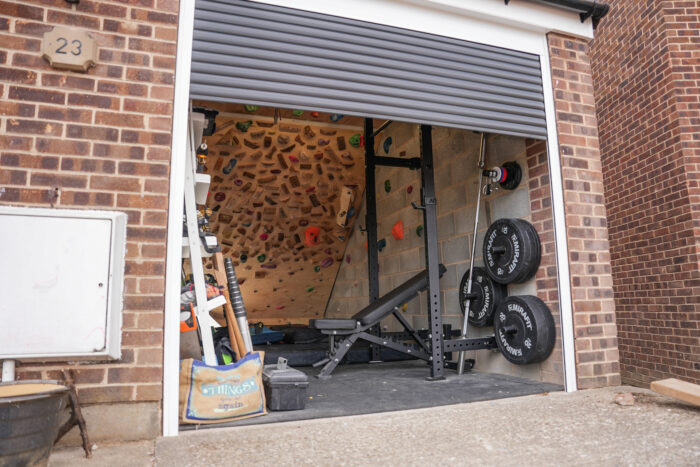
{"x": 485, "y": 297}
{"x": 524, "y": 329}
{"x": 511, "y": 251}
{"x": 508, "y": 176}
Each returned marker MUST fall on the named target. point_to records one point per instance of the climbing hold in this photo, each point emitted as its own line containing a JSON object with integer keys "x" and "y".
{"x": 317, "y": 268}
{"x": 268, "y": 266}
{"x": 244, "y": 258}
{"x": 297, "y": 113}
{"x": 409, "y": 189}
{"x": 263, "y": 236}
{"x": 328, "y": 251}
{"x": 310, "y": 289}
{"x": 314, "y": 114}
{"x": 419, "y": 230}
{"x": 347, "y": 259}
{"x": 311, "y": 189}
{"x": 387, "y": 186}
{"x": 246, "y": 224}
{"x": 387, "y": 145}
{"x": 220, "y": 196}
{"x": 346, "y": 155}
{"x": 283, "y": 139}
{"x": 323, "y": 142}
{"x": 261, "y": 258}
{"x": 336, "y": 117}
{"x": 293, "y": 158}
{"x": 351, "y": 212}
{"x": 381, "y": 244}
{"x": 243, "y": 126}
{"x": 404, "y": 307}
{"x": 251, "y": 108}
{"x": 311, "y": 236}
{"x": 326, "y": 262}
{"x": 355, "y": 140}
{"x": 231, "y": 164}
{"x": 397, "y": 230}
{"x": 303, "y": 223}
{"x": 318, "y": 156}
{"x": 238, "y": 182}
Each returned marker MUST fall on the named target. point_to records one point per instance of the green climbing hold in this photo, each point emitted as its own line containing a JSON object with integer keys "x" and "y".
{"x": 419, "y": 230}
{"x": 355, "y": 140}
{"x": 261, "y": 258}
{"x": 243, "y": 126}
{"x": 310, "y": 289}
{"x": 387, "y": 186}
{"x": 251, "y": 108}
{"x": 317, "y": 268}
{"x": 298, "y": 113}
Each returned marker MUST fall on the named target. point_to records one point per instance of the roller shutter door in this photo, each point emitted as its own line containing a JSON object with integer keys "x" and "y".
{"x": 254, "y": 53}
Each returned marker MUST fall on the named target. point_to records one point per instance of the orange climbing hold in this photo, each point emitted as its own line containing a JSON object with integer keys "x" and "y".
{"x": 397, "y": 230}
{"x": 311, "y": 236}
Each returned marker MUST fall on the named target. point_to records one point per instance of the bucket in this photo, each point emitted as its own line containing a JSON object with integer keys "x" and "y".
{"x": 30, "y": 413}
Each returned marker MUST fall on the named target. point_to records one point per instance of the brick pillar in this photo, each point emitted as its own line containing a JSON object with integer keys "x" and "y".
{"x": 597, "y": 358}
{"x": 100, "y": 140}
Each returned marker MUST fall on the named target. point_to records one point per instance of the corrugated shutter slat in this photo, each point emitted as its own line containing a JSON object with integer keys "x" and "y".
{"x": 260, "y": 54}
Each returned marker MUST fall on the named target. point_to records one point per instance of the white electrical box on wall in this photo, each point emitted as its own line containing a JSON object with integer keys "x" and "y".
{"x": 61, "y": 283}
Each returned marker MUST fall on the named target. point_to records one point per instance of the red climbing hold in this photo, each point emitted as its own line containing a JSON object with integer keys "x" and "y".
{"x": 311, "y": 236}
{"x": 293, "y": 158}
{"x": 397, "y": 230}
{"x": 220, "y": 196}
{"x": 409, "y": 189}
{"x": 311, "y": 189}
{"x": 326, "y": 262}
{"x": 263, "y": 237}
{"x": 314, "y": 114}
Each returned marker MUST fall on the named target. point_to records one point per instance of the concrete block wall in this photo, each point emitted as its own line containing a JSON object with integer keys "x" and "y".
{"x": 456, "y": 153}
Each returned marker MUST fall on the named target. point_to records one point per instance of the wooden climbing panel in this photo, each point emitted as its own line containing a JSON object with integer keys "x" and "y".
{"x": 278, "y": 189}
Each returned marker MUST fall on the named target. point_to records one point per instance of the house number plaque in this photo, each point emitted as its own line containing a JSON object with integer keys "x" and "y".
{"x": 69, "y": 48}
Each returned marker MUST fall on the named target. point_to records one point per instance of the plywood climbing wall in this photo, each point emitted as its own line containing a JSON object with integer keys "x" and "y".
{"x": 284, "y": 194}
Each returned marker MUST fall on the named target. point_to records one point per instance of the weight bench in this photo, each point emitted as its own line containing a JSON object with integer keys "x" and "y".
{"x": 356, "y": 327}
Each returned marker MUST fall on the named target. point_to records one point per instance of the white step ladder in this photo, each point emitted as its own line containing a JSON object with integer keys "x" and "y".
{"x": 196, "y": 189}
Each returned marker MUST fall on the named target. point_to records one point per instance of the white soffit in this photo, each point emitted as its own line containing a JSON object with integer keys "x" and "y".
{"x": 517, "y": 26}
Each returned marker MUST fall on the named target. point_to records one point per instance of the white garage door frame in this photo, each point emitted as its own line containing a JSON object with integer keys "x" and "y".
{"x": 519, "y": 26}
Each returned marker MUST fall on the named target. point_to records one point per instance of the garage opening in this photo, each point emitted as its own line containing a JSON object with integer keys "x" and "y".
{"x": 335, "y": 150}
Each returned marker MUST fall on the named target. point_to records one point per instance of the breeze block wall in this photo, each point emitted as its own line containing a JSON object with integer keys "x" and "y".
{"x": 98, "y": 140}
{"x": 456, "y": 154}
{"x": 646, "y": 69}
{"x": 597, "y": 357}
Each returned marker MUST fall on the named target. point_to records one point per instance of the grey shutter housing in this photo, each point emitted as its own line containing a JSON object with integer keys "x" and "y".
{"x": 253, "y": 53}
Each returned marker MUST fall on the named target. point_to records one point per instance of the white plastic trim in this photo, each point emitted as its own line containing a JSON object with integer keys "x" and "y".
{"x": 171, "y": 331}
{"x": 560, "y": 236}
{"x": 517, "y": 26}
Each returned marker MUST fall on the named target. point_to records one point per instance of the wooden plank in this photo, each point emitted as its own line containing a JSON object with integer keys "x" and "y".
{"x": 681, "y": 390}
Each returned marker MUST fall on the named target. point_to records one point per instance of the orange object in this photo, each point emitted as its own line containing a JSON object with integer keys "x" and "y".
{"x": 311, "y": 235}
{"x": 397, "y": 230}
{"x": 190, "y": 324}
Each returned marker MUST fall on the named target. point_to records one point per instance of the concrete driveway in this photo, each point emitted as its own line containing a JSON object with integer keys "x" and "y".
{"x": 583, "y": 428}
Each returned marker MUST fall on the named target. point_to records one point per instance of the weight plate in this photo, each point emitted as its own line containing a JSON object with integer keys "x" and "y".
{"x": 513, "y": 176}
{"x": 511, "y": 251}
{"x": 487, "y": 295}
{"x": 524, "y": 329}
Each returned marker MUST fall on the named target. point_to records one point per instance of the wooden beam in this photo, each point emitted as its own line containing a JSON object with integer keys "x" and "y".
{"x": 681, "y": 390}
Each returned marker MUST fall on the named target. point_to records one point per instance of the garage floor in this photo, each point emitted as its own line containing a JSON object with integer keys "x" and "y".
{"x": 365, "y": 388}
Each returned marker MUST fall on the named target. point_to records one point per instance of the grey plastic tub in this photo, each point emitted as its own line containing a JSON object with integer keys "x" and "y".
{"x": 29, "y": 424}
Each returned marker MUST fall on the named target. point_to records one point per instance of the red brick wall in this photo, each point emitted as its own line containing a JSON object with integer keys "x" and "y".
{"x": 597, "y": 358}
{"x": 102, "y": 138}
{"x": 547, "y": 275}
{"x": 646, "y": 65}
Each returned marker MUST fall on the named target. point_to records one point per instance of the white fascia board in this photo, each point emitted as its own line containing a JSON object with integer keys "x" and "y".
{"x": 518, "y": 26}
